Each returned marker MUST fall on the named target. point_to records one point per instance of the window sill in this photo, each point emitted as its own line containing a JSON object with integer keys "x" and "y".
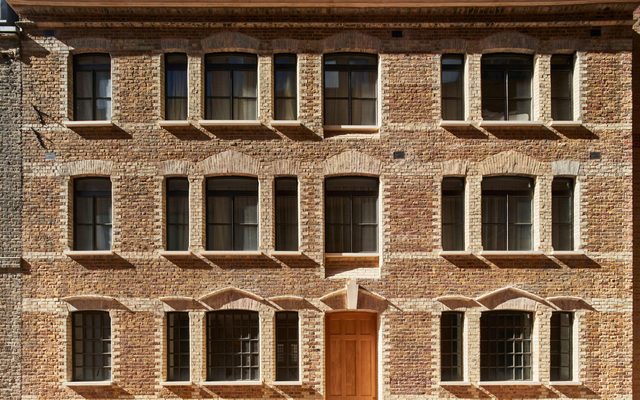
{"x": 286, "y": 253}
{"x": 511, "y": 253}
{"x": 88, "y": 383}
{"x": 351, "y": 128}
{"x": 287, "y": 383}
{"x": 454, "y": 383}
{"x": 229, "y": 123}
{"x": 89, "y": 253}
{"x": 565, "y": 383}
{"x": 566, "y": 124}
{"x": 285, "y": 123}
{"x": 176, "y": 383}
{"x": 509, "y": 383}
{"x": 351, "y": 255}
{"x": 231, "y": 253}
{"x": 176, "y": 253}
{"x": 88, "y": 124}
{"x": 511, "y": 124}
{"x": 567, "y": 253}
{"x": 174, "y": 123}
{"x": 455, "y": 124}
{"x": 232, "y": 383}
{"x": 455, "y": 253}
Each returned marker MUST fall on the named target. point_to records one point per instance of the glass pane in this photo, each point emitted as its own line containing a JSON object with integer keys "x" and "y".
{"x": 519, "y": 84}
{"x": 562, "y": 109}
{"x": 519, "y": 237}
{"x": 365, "y": 238}
{"x": 494, "y": 209}
{"x": 365, "y": 210}
{"x": 176, "y": 83}
{"x": 352, "y": 184}
{"x": 103, "y": 210}
{"x": 83, "y": 237}
{"x": 494, "y": 237}
{"x": 219, "y": 109}
{"x": 244, "y": 83}
{"x": 519, "y": 110}
{"x": 285, "y": 85}
{"x": 84, "y": 110}
{"x": 336, "y": 84}
{"x": 493, "y": 109}
{"x": 219, "y": 83}
{"x": 336, "y": 112}
{"x": 363, "y": 84}
{"x": 246, "y": 209}
{"x": 176, "y": 109}
{"x": 452, "y": 83}
{"x": 562, "y": 237}
{"x": 84, "y": 84}
{"x": 520, "y": 209}
{"x": 219, "y": 237}
{"x": 493, "y": 84}
{"x": 452, "y": 109}
{"x": 103, "y": 83}
{"x": 363, "y": 112}
{"x": 286, "y": 109}
{"x": 83, "y": 210}
{"x": 103, "y": 237}
{"x": 246, "y": 237}
{"x": 103, "y": 110}
{"x": 245, "y": 109}
{"x": 219, "y": 209}
{"x": 561, "y": 83}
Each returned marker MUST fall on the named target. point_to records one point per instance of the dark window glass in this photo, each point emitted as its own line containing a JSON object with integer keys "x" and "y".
{"x": 232, "y": 213}
{"x": 506, "y": 87}
{"x": 286, "y": 214}
{"x": 233, "y": 346}
{"x": 507, "y": 203}
{"x": 562, "y": 87}
{"x": 287, "y": 351}
{"x": 351, "y": 215}
{"x": 92, "y": 214}
{"x": 178, "y": 346}
{"x": 451, "y": 346}
{"x": 505, "y": 346}
{"x": 561, "y": 346}
{"x": 562, "y": 213}
{"x": 92, "y": 87}
{"x": 286, "y": 87}
{"x": 453, "y": 214}
{"x": 350, "y": 89}
{"x": 91, "y": 345}
{"x": 176, "y": 86}
{"x": 452, "y": 87}
{"x": 177, "y": 209}
{"x": 231, "y": 82}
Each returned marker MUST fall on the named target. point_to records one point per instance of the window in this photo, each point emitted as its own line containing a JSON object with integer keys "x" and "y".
{"x": 287, "y": 351}
{"x": 350, "y": 89}
{"x": 178, "y": 346}
{"x": 231, "y": 86}
{"x": 561, "y": 346}
{"x": 506, "y": 87}
{"x": 562, "y": 87}
{"x": 452, "y": 80}
{"x": 92, "y": 214}
{"x": 562, "y": 213}
{"x": 451, "y": 346}
{"x": 351, "y": 214}
{"x": 286, "y": 214}
{"x": 175, "y": 86}
{"x": 177, "y": 209}
{"x": 453, "y": 214}
{"x": 285, "y": 96}
{"x": 505, "y": 346}
{"x": 92, "y": 87}
{"x": 232, "y": 213}
{"x": 91, "y": 346}
{"x": 507, "y": 203}
{"x": 233, "y": 346}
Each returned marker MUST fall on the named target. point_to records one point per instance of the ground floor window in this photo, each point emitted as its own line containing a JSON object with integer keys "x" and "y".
{"x": 91, "y": 345}
{"x": 505, "y": 346}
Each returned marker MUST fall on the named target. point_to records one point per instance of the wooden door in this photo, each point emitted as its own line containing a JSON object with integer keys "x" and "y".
{"x": 351, "y": 356}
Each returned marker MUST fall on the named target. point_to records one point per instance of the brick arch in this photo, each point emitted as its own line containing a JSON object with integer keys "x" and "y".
{"x": 230, "y": 41}
{"x": 512, "y": 298}
{"x": 174, "y": 44}
{"x": 89, "y": 44}
{"x": 352, "y": 163}
{"x": 570, "y": 303}
{"x": 512, "y": 162}
{"x": 354, "y": 297}
{"x": 87, "y": 167}
{"x": 455, "y": 302}
{"x": 351, "y": 41}
{"x": 287, "y": 45}
{"x": 175, "y": 167}
{"x": 229, "y": 162}
{"x": 92, "y": 302}
{"x": 511, "y": 41}
{"x": 286, "y": 167}
{"x": 232, "y": 298}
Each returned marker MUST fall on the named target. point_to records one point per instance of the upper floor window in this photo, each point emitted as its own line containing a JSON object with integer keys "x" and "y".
{"x": 452, "y": 80}
{"x": 351, "y": 215}
{"x": 350, "y": 89}
{"x": 451, "y": 354}
{"x": 92, "y": 87}
{"x": 507, "y": 203}
{"x": 506, "y": 87}
{"x": 562, "y": 87}
{"x": 92, "y": 214}
{"x": 561, "y": 354}
{"x": 91, "y": 346}
{"x": 231, "y": 81}
{"x": 287, "y": 346}
{"x": 286, "y": 87}
{"x": 177, "y": 213}
{"x": 233, "y": 346}
{"x": 7, "y": 15}
{"x": 286, "y": 214}
{"x": 175, "y": 86}
{"x": 178, "y": 359}
{"x": 562, "y": 213}
{"x": 452, "y": 213}
{"x": 505, "y": 346}
{"x": 232, "y": 213}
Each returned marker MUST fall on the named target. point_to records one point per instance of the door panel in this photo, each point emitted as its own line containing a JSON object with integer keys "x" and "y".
{"x": 351, "y": 356}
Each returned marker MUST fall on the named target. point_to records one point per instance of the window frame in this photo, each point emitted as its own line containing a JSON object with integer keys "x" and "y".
{"x": 178, "y": 354}
{"x": 93, "y": 68}
{"x": 462, "y": 195}
{"x": 460, "y": 339}
{"x": 110, "y": 367}
{"x": 285, "y": 67}
{"x": 350, "y": 69}
{"x": 567, "y": 67}
{"x": 171, "y": 193}
{"x": 462, "y": 70}
{"x": 571, "y": 342}
{"x": 289, "y": 193}
{"x": 298, "y": 341}
{"x": 94, "y": 224}
{"x": 572, "y": 203}
{"x": 168, "y": 66}
{"x": 231, "y": 68}
{"x": 506, "y": 69}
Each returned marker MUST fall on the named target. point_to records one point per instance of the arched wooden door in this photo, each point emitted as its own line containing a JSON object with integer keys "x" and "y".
{"x": 351, "y": 356}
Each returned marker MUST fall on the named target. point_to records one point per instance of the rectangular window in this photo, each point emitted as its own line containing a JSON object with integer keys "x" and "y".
{"x": 506, "y": 87}
{"x": 350, "y": 89}
{"x": 91, "y": 346}
{"x": 561, "y": 346}
{"x": 286, "y": 214}
{"x": 507, "y": 208}
{"x": 178, "y": 360}
{"x": 351, "y": 215}
{"x": 451, "y": 346}
{"x": 232, "y": 213}
{"x": 505, "y": 346}
{"x": 177, "y": 209}
{"x": 92, "y": 87}
{"x": 562, "y": 190}
{"x": 562, "y": 87}
{"x": 453, "y": 214}
{"x": 287, "y": 347}
{"x": 452, "y": 80}
{"x": 233, "y": 346}
{"x": 286, "y": 87}
{"x": 176, "y": 86}
{"x": 92, "y": 214}
{"x": 231, "y": 83}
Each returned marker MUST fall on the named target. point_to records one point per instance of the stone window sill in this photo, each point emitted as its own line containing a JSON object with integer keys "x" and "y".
{"x": 174, "y": 123}
{"x": 511, "y": 124}
{"x": 566, "y": 124}
{"x": 286, "y": 253}
{"x": 567, "y": 253}
{"x": 287, "y": 383}
{"x": 510, "y": 253}
{"x": 509, "y": 383}
{"x": 229, "y": 123}
{"x": 351, "y": 128}
{"x": 351, "y": 255}
{"x": 89, "y": 253}
{"x": 455, "y": 124}
{"x": 88, "y": 124}
{"x": 232, "y": 383}
{"x": 285, "y": 123}
{"x": 88, "y": 383}
{"x": 455, "y": 253}
{"x": 565, "y": 383}
{"x": 176, "y": 383}
{"x": 176, "y": 253}
{"x": 231, "y": 253}
{"x": 454, "y": 383}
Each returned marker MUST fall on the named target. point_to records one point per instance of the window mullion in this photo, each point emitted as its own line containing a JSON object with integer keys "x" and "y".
{"x": 508, "y": 221}
{"x": 506, "y": 94}
{"x": 349, "y": 96}
{"x": 233, "y": 220}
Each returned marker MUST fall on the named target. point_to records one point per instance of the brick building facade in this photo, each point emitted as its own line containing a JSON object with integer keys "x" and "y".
{"x": 149, "y": 241}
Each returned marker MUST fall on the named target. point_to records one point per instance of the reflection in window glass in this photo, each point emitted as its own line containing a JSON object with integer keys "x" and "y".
{"x": 176, "y": 86}
{"x": 285, "y": 96}
{"x": 452, "y": 80}
{"x": 231, "y": 86}
{"x": 92, "y": 87}
{"x": 562, "y": 87}
{"x": 506, "y": 87}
